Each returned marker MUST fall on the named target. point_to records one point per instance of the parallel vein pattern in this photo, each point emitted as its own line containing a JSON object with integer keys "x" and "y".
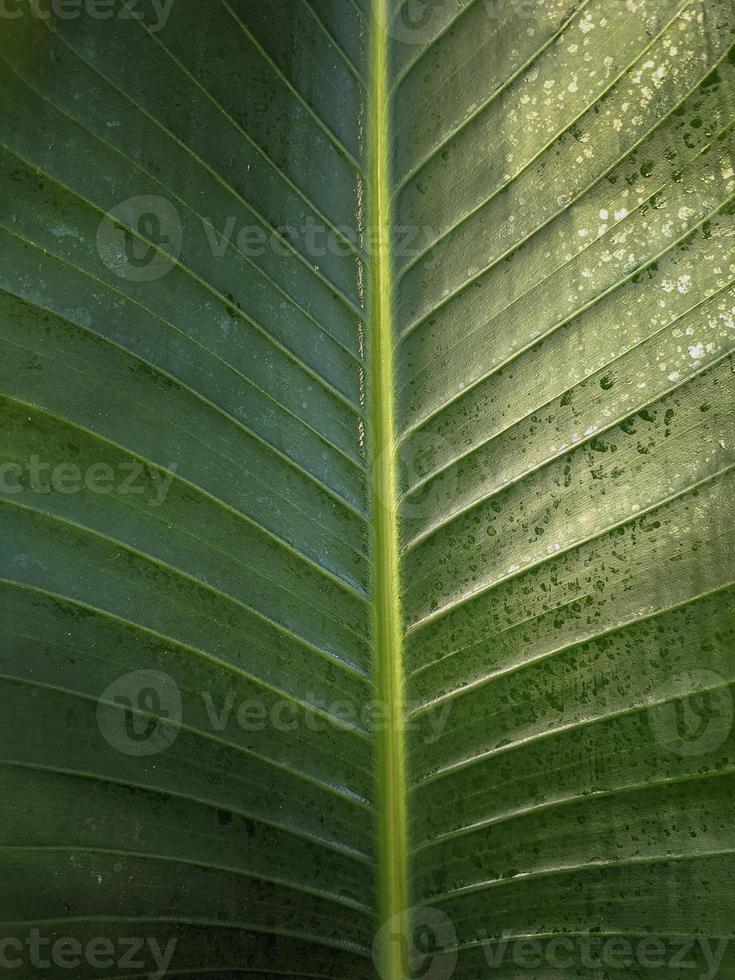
{"x": 198, "y": 344}
{"x": 361, "y": 350}
{"x": 565, "y": 335}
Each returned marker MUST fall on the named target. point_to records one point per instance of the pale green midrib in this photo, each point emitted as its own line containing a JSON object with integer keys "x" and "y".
{"x": 390, "y": 749}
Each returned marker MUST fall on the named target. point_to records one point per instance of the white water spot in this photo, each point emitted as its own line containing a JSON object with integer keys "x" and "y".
{"x": 696, "y": 351}
{"x": 60, "y": 231}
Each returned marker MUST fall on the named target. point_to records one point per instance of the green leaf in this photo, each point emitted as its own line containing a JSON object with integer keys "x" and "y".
{"x": 366, "y": 483}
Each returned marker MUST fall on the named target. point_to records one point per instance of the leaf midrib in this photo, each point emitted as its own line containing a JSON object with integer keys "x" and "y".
{"x": 389, "y": 678}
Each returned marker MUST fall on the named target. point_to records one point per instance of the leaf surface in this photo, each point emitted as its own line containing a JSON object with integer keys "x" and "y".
{"x": 366, "y": 486}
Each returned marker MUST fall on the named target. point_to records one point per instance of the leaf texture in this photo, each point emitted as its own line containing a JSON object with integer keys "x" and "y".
{"x": 393, "y": 342}
{"x": 564, "y": 375}
{"x": 236, "y": 382}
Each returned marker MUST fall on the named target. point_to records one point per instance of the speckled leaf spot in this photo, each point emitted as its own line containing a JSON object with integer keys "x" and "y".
{"x": 366, "y": 489}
